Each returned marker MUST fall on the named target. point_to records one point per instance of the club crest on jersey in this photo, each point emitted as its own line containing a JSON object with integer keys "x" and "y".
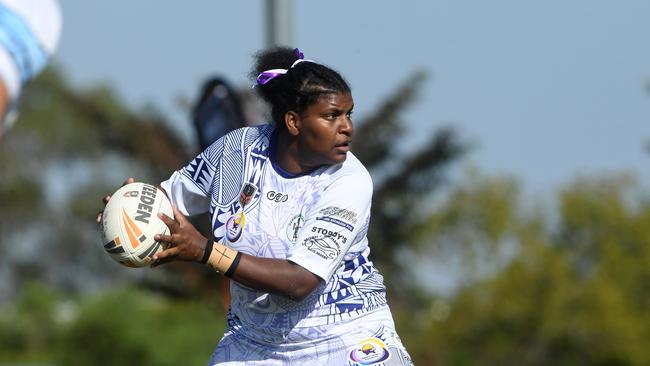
{"x": 369, "y": 352}
{"x": 247, "y": 193}
{"x": 294, "y": 226}
{"x": 235, "y": 226}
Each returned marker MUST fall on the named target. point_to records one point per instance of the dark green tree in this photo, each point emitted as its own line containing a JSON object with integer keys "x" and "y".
{"x": 68, "y": 149}
{"x": 564, "y": 286}
{"x": 403, "y": 182}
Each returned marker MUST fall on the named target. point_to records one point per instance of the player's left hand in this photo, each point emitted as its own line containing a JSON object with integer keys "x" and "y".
{"x": 105, "y": 200}
{"x": 183, "y": 243}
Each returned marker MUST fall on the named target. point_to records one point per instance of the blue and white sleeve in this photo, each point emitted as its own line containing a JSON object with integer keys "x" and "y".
{"x": 190, "y": 188}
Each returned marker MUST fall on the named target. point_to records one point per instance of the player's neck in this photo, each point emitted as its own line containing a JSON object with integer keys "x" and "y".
{"x": 286, "y": 153}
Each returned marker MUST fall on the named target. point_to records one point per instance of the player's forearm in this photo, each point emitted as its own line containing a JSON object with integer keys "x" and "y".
{"x": 278, "y": 276}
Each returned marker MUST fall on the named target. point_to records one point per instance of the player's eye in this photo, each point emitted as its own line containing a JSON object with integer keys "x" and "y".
{"x": 332, "y": 116}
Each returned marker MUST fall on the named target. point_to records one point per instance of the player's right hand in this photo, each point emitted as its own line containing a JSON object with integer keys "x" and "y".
{"x": 183, "y": 243}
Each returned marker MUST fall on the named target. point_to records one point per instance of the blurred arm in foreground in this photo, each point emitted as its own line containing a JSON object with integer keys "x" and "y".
{"x": 29, "y": 34}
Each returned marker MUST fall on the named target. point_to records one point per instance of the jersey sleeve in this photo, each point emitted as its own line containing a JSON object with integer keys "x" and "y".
{"x": 189, "y": 188}
{"x": 332, "y": 225}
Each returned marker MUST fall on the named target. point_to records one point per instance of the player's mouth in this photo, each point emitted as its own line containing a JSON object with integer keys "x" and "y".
{"x": 343, "y": 147}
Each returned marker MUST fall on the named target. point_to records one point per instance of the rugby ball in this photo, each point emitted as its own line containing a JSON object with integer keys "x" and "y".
{"x": 130, "y": 221}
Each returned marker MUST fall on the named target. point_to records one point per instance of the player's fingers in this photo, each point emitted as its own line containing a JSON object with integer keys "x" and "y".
{"x": 128, "y": 180}
{"x": 171, "y": 223}
{"x": 169, "y": 253}
{"x": 100, "y": 214}
{"x": 158, "y": 262}
{"x": 105, "y": 199}
{"x": 164, "y": 238}
{"x": 178, "y": 216}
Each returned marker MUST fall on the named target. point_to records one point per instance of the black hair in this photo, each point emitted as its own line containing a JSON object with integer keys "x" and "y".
{"x": 300, "y": 87}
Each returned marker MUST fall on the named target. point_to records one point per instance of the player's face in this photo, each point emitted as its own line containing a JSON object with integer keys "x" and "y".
{"x": 326, "y": 130}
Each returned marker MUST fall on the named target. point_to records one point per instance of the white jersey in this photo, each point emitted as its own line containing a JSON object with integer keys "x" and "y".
{"x": 317, "y": 220}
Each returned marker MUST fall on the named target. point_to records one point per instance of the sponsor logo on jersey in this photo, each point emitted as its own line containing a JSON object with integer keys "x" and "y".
{"x": 323, "y": 247}
{"x": 329, "y": 233}
{"x": 369, "y": 352}
{"x": 294, "y": 226}
{"x": 336, "y": 222}
{"x": 278, "y": 197}
{"x": 235, "y": 226}
{"x": 341, "y": 213}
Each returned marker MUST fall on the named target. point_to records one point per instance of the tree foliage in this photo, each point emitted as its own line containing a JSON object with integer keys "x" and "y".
{"x": 126, "y": 326}
{"x": 69, "y": 148}
{"x": 402, "y": 181}
{"x": 571, "y": 290}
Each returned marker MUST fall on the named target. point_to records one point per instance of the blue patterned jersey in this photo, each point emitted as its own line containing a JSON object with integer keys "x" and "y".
{"x": 317, "y": 220}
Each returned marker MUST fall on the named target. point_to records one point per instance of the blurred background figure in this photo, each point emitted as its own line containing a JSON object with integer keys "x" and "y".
{"x": 29, "y": 34}
{"x": 217, "y": 111}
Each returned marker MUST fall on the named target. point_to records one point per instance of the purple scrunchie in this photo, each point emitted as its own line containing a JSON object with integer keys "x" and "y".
{"x": 269, "y": 75}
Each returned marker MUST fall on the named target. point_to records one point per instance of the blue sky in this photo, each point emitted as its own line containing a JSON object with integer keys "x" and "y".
{"x": 545, "y": 89}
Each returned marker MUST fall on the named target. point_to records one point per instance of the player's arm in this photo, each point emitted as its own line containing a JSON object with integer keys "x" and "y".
{"x": 278, "y": 276}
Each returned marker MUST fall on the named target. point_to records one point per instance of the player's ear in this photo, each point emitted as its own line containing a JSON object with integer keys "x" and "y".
{"x": 292, "y": 122}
